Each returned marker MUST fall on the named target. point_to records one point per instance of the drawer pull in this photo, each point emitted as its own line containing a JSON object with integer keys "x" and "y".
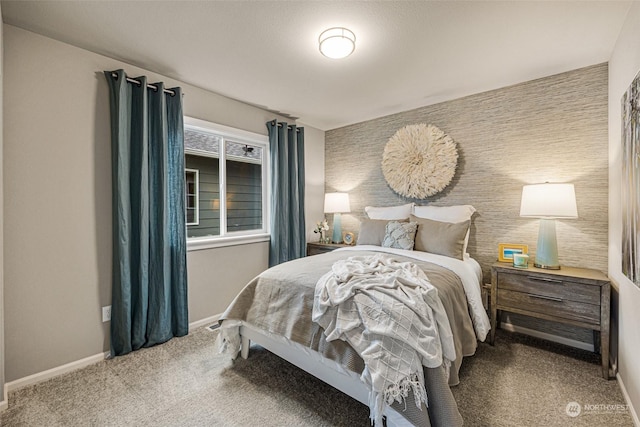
{"x": 556, "y": 299}
{"x": 542, "y": 279}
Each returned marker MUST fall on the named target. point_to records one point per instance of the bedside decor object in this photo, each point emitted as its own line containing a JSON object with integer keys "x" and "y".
{"x": 548, "y": 202}
{"x": 349, "y": 238}
{"x": 321, "y": 228}
{"x": 521, "y": 260}
{"x": 337, "y": 42}
{"x": 507, "y": 250}
{"x": 419, "y": 161}
{"x": 337, "y": 203}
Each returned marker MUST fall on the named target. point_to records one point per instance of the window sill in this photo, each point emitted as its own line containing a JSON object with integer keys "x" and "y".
{"x": 199, "y": 243}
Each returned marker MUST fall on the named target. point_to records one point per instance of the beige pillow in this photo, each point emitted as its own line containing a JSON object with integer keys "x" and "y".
{"x": 442, "y": 238}
{"x": 372, "y": 231}
{"x": 454, "y": 214}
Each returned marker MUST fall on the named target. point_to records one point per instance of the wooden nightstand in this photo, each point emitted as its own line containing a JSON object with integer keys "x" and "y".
{"x": 576, "y": 296}
{"x": 316, "y": 248}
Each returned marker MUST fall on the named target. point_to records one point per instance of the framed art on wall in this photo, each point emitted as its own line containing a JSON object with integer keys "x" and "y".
{"x": 506, "y": 251}
{"x": 631, "y": 181}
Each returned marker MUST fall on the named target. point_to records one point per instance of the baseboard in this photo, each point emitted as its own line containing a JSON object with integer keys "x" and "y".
{"x": 549, "y": 337}
{"x": 54, "y": 372}
{"x": 70, "y": 367}
{"x": 5, "y": 402}
{"x": 632, "y": 411}
{"x": 204, "y": 322}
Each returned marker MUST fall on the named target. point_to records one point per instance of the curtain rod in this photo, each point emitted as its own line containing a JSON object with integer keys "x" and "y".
{"x": 150, "y": 86}
{"x": 279, "y": 124}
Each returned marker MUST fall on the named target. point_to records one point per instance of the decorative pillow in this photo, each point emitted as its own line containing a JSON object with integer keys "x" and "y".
{"x": 400, "y": 235}
{"x": 442, "y": 238}
{"x": 390, "y": 212}
{"x": 452, "y": 214}
{"x": 372, "y": 231}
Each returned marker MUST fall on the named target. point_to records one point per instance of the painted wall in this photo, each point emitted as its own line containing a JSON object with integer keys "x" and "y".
{"x": 552, "y": 129}
{"x": 58, "y": 203}
{"x": 314, "y": 170}
{"x": 3, "y": 400}
{"x": 623, "y": 67}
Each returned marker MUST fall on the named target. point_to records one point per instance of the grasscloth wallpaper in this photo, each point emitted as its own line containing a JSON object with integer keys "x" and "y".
{"x": 552, "y": 129}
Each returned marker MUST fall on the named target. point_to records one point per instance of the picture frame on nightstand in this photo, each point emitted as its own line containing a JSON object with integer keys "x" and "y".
{"x": 348, "y": 238}
{"x": 506, "y": 251}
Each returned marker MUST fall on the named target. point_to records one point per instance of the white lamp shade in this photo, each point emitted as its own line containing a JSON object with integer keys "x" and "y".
{"x": 549, "y": 201}
{"x": 336, "y": 43}
{"x": 336, "y": 203}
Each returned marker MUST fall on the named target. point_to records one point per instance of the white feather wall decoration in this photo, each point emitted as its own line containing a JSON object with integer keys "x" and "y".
{"x": 419, "y": 161}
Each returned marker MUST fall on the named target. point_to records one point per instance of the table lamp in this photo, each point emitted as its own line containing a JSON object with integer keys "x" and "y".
{"x": 548, "y": 202}
{"x": 336, "y": 203}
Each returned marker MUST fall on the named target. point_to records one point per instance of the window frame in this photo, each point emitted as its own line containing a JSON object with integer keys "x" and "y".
{"x": 226, "y": 133}
{"x": 196, "y": 181}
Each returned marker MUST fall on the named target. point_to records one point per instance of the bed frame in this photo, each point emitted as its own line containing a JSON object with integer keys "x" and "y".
{"x": 317, "y": 365}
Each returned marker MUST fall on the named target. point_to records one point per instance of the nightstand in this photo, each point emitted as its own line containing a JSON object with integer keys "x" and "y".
{"x": 316, "y": 248}
{"x": 575, "y": 296}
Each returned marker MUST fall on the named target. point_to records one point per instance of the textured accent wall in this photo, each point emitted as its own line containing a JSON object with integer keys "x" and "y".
{"x": 552, "y": 129}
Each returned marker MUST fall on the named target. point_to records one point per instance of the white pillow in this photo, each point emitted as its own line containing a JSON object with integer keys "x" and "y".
{"x": 389, "y": 213}
{"x": 452, "y": 214}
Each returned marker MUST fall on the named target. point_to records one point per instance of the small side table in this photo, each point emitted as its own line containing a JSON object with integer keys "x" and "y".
{"x": 316, "y": 248}
{"x": 575, "y": 296}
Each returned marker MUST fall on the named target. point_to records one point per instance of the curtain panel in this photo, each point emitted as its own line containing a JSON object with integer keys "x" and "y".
{"x": 288, "y": 237}
{"x": 149, "y": 284}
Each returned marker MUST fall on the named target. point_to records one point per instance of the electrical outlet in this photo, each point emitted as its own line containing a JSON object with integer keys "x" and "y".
{"x": 106, "y": 313}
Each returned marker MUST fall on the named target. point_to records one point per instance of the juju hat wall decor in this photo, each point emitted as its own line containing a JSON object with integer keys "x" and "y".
{"x": 419, "y": 161}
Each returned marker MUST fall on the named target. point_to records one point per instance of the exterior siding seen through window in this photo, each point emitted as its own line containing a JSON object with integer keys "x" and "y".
{"x": 243, "y": 182}
{"x": 208, "y": 195}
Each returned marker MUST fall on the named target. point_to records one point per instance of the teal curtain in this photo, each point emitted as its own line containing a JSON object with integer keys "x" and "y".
{"x": 149, "y": 283}
{"x": 288, "y": 237}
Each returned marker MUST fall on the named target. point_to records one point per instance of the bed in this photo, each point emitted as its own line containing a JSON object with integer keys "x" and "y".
{"x": 274, "y": 311}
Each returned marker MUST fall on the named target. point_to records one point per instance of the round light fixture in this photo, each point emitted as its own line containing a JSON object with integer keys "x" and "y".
{"x": 337, "y": 42}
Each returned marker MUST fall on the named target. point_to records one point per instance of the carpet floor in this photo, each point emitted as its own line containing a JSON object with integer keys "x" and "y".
{"x": 519, "y": 382}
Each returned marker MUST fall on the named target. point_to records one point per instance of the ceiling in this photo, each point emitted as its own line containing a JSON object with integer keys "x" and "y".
{"x": 265, "y": 53}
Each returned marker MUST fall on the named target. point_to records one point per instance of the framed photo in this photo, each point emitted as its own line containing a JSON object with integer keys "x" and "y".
{"x": 506, "y": 251}
{"x": 348, "y": 238}
{"x": 630, "y": 187}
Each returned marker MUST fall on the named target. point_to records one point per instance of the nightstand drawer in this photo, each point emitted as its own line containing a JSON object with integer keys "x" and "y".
{"x": 550, "y": 287}
{"x": 316, "y": 248}
{"x": 554, "y": 306}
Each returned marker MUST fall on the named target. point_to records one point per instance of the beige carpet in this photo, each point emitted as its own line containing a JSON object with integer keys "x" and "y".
{"x": 519, "y": 382}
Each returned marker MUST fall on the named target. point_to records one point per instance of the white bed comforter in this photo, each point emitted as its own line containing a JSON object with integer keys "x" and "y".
{"x": 390, "y": 313}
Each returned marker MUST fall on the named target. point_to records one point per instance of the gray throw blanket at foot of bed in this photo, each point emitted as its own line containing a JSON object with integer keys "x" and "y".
{"x": 390, "y": 313}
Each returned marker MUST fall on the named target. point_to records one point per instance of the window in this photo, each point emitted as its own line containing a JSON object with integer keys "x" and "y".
{"x": 192, "y": 182}
{"x": 226, "y": 185}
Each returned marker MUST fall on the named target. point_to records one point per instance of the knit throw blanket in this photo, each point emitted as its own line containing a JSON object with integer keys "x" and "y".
{"x": 390, "y": 313}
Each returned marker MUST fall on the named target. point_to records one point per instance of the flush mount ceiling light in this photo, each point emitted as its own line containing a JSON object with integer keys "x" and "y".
{"x": 337, "y": 42}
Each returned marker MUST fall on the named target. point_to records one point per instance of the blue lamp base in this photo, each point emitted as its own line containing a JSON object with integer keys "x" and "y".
{"x": 547, "y": 251}
{"x": 337, "y": 229}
